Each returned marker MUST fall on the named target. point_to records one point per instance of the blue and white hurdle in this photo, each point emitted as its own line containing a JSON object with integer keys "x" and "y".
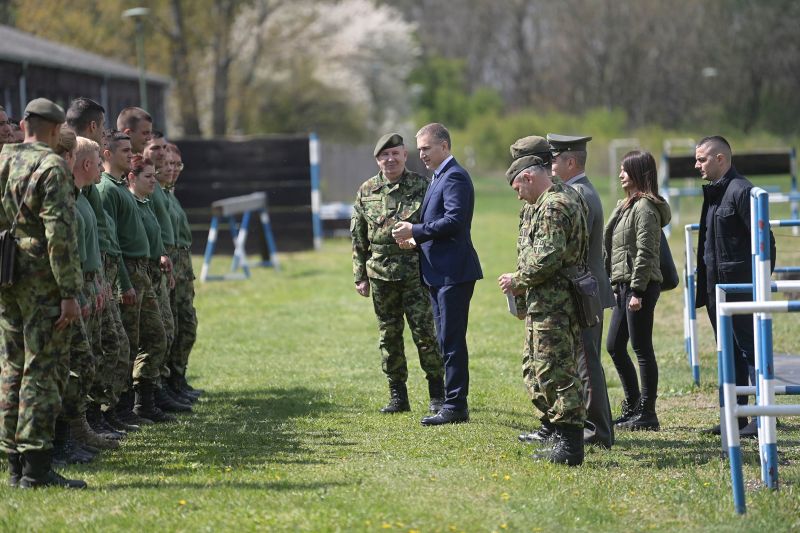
{"x": 689, "y": 280}
{"x": 765, "y": 407}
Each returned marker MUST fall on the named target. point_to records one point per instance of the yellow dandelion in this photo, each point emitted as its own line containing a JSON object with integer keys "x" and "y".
{"x": 503, "y": 526}
{"x": 181, "y": 502}
{"x": 386, "y": 525}
{"x": 505, "y": 496}
{"x": 506, "y": 477}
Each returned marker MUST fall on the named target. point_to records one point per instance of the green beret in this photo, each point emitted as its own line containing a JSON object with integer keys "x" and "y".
{"x": 390, "y": 140}
{"x": 567, "y": 143}
{"x": 44, "y": 108}
{"x": 526, "y": 152}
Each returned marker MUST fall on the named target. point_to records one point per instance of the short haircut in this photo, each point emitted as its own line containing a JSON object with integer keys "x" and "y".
{"x": 717, "y": 142}
{"x": 66, "y": 141}
{"x": 2, "y": 108}
{"x": 82, "y": 111}
{"x": 84, "y": 147}
{"x": 579, "y": 155}
{"x": 130, "y": 117}
{"x": 157, "y": 134}
{"x": 116, "y": 138}
{"x": 437, "y": 131}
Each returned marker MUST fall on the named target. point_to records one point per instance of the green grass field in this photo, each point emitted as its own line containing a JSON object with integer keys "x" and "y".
{"x": 288, "y": 436}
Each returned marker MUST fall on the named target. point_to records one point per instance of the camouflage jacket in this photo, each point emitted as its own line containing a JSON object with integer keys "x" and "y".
{"x": 31, "y": 173}
{"x": 552, "y": 235}
{"x": 379, "y": 205}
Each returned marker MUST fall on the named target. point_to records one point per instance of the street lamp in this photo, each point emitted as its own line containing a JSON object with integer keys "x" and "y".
{"x": 137, "y": 14}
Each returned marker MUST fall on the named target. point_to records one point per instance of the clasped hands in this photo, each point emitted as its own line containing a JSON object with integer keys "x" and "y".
{"x": 402, "y": 234}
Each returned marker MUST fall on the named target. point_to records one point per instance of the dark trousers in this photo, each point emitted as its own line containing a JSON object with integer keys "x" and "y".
{"x": 598, "y": 424}
{"x": 451, "y": 314}
{"x": 636, "y": 326}
{"x": 743, "y": 341}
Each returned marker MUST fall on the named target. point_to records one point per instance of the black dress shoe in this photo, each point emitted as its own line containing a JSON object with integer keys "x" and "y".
{"x": 446, "y": 416}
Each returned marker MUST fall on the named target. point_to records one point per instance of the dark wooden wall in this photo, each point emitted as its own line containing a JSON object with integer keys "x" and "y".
{"x": 279, "y": 166}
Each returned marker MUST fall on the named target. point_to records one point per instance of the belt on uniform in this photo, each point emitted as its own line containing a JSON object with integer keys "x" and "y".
{"x": 389, "y": 249}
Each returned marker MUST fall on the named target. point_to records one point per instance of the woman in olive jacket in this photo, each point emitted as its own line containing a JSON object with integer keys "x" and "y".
{"x": 632, "y": 240}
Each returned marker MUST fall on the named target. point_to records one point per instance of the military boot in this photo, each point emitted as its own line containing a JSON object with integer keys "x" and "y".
{"x": 175, "y": 387}
{"x": 113, "y": 420}
{"x": 436, "y": 393}
{"x": 645, "y": 419}
{"x": 37, "y": 472}
{"x": 84, "y": 434}
{"x": 96, "y": 421}
{"x": 144, "y": 403}
{"x": 544, "y": 435}
{"x": 189, "y": 389}
{"x": 124, "y": 411}
{"x": 628, "y": 410}
{"x": 66, "y": 451}
{"x": 166, "y": 401}
{"x": 567, "y": 446}
{"x": 398, "y": 398}
{"x": 14, "y": 468}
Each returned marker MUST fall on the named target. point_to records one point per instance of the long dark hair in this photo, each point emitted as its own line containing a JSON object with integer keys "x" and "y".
{"x": 641, "y": 169}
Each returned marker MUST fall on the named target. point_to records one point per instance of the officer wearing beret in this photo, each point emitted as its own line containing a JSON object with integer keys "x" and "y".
{"x": 569, "y": 162}
{"x": 40, "y": 304}
{"x": 391, "y": 273}
{"x": 552, "y": 236}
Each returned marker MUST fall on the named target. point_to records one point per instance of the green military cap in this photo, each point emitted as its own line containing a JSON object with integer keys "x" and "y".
{"x": 567, "y": 143}
{"x": 525, "y": 152}
{"x": 44, "y": 108}
{"x": 390, "y": 140}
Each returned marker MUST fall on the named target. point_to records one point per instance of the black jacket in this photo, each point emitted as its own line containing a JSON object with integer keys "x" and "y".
{"x": 725, "y": 227}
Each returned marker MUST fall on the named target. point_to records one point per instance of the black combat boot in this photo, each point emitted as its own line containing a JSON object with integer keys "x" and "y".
{"x": 645, "y": 419}
{"x": 113, "y": 420}
{"x": 175, "y": 388}
{"x": 96, "y": 421}
{"x": 398, "y": 398}
{"x": 14, "y": 468}
{"x": 436, "y": 393}
{"x": 177, "y": 398}
{"x": 567, "y": 446}
{"x": 166, "y": 403}
{"x": 37, "y": 472}
{"x": 628, "y": 410}
{"x": 544, "y": 435}
{"x": 124, "y": 410}
{"x": 144, "y": 403}
{"x": 189, "y": 389}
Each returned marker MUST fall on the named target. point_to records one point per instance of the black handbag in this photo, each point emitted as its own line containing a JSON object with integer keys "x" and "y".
{"x": 667, "y": 265}
{"x": 586, "y": 294}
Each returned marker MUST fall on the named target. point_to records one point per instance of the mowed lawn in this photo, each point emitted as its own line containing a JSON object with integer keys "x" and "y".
{"x": 288, "y": 435}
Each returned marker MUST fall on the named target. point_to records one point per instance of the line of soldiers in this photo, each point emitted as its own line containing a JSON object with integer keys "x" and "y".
{"x": 97, "y": 319}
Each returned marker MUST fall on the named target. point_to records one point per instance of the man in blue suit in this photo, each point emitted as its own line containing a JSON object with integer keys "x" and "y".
{"x": 448, "y": 262}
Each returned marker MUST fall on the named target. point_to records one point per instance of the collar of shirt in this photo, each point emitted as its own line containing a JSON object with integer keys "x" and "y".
{"x": 575, "y": 178}
{"x": 441, "y": 166}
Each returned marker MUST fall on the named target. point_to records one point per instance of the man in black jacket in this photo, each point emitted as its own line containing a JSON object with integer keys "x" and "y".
{"x": 723, "y": 251}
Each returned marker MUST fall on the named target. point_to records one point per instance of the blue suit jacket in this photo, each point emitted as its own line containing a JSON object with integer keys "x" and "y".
{"x": 447, "y": 256}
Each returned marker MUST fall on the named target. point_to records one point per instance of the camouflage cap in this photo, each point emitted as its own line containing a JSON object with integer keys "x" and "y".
{"x": 390, "y": 140}
{"x": 526, "y": 152}
{"x": 567, "y": 143}
{"x": 44, "y": 108}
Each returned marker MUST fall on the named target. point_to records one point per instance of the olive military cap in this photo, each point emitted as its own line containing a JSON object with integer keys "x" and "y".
{"x": 44, "y": 108}
{"x": 567, "y": 143}
{"x": 390, "y": 140}
{"x": 525, "y": 152}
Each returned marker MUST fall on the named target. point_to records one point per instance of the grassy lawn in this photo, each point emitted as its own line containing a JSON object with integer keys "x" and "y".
{"x": 288, "y": 435}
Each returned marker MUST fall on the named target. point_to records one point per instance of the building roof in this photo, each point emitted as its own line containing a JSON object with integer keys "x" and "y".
{"x": 22, "y": 47}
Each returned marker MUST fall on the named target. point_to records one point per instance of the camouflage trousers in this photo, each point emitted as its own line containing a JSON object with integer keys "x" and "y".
{"x": 143, "y": 325}
{"x": 115, "y": 348}
{"x": 184, "y": 313}
{"x": 34, "y": 362}
{"x": 160, "y": 282}
{"x": 550, "y": 368}
{"x": 82, "y": 367}
{"x": 391, "y": 300}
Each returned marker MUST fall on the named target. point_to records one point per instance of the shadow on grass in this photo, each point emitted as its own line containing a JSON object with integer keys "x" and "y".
{"x": 241, "y": 429}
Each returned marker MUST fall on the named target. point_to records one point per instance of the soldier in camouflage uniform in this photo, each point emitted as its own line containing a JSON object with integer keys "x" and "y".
{"x": 392, "y": 273}
{"x": 37, "y": 309}
{"x": 552, "y": 236}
